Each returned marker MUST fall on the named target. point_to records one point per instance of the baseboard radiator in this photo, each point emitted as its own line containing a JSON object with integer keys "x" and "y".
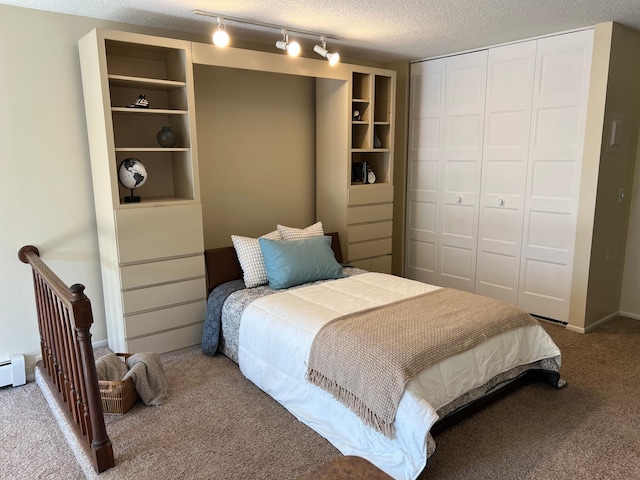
{"x": 12, "y": 371}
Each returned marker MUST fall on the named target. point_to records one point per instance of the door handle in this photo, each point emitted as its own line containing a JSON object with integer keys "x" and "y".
{"x": 458, "y": 199}
{"x": 501, "y": 202}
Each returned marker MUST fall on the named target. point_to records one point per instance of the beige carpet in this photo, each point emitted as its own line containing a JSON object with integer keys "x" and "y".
{"x": 217, "y": 425}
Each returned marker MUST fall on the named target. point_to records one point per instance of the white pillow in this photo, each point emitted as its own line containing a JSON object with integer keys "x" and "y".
{"x": 290, "y": 233}
{"x": 249, "y": 255}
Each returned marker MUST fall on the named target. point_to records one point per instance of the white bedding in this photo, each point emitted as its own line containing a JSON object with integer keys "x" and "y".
{"x": 276, "y": 333}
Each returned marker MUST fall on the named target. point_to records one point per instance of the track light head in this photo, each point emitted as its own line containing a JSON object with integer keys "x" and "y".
{"x": 292, "y": 48}
{"x": 332, "y": 58}
{"x": 221, "y": 37}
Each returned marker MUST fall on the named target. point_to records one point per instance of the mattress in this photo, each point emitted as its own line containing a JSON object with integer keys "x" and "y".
{"x": 274, "y": 336}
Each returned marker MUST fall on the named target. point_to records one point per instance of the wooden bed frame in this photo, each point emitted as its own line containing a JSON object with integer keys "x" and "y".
{"x": 68, "y": 364}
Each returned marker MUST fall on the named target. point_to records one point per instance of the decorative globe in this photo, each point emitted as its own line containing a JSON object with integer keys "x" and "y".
{"x": 132, "y": 173}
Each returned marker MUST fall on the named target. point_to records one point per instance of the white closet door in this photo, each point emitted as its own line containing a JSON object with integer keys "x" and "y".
{"x": 465, "y": 90}
{"x": 563, "y": 66}
{"x": 425, "y": 155}
{"x": 504, "y": 168}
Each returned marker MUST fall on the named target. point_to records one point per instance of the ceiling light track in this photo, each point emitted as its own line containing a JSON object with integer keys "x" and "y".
{"x": 221, "y": 37}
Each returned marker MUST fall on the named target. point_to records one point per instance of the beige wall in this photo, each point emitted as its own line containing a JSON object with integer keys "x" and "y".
{"x": 256, "y": 149}
{"x": 629, "y": 70}
{"x": 46, "y": 195}
{"x": 616, "y": 172}
{"x": 602, "y": 221}
{"x": 589, "y": 176}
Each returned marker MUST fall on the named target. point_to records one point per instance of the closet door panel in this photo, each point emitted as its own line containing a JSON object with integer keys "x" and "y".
{"x": 561, "y": 87}
{"x": 425, "y": 155}
{"x": 465, "y": 91}
{"x": 510, "y": 78}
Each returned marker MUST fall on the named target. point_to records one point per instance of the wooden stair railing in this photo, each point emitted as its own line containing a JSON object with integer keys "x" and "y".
{"x": 64, "y": 320}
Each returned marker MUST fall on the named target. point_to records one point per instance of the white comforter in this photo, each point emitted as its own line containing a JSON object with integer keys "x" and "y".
{"x": 276, "y": 333}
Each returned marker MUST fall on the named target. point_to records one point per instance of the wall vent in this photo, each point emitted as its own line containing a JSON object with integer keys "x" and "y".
{"x": 12, "y": 371}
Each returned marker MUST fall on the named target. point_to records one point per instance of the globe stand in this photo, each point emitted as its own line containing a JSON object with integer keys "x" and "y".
{"x": 132, "y": 198}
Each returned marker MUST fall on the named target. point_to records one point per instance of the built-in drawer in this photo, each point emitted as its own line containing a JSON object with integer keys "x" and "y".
{"x": 367, "y": 194}
{"x": 135, "y": 276}
{"x": 376, "y": 264}
{"x": 165, "y": 319}
{"x": 381, "y": 264}
{"x": 369, "y": 213}
{"x": 167, "y": 341}
{"x": 159, "y": 232}
{"x": 369, "y": 231}
{"x": 150, "y": 298}
{"x": 374, "y": 248}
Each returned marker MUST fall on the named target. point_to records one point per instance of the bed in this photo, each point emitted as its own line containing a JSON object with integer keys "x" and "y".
{"x": 273, "y": 335}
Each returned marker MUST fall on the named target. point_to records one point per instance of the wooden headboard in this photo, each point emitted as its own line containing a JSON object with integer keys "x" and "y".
{"x": 222, "y": 263}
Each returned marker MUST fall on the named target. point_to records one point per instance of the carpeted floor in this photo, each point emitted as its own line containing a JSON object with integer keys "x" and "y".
{"x": 217, "y": 425}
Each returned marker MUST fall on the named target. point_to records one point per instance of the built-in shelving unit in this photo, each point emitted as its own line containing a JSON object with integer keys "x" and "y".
{"x": 358, "y": 206}
{"x": 159, "y": 72}
{"x": 151, "y": 258}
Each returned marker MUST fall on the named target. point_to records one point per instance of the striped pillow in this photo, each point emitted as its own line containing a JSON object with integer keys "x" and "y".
{"x": 290, "y": 233}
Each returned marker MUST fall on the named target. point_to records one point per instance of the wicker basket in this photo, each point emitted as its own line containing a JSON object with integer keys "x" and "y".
{"x": 118, "y": 397}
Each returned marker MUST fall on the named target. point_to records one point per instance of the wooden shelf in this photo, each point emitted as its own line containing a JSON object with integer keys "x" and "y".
{"x": 151, "y": 149}
{"x": 370, "y": 150}
{"x": 156, "y": 201}
{"x": 148, "y": 111}
{"x": 140, "y": 82}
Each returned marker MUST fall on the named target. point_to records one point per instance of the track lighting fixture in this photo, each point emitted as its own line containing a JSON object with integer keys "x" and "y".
{"x": 292, "y": 48}
{"x": 221, "y": 37}
{"x": 321, "y": 50}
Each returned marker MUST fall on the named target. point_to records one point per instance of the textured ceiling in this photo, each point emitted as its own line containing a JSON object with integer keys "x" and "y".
{"x": 369, "y": 29}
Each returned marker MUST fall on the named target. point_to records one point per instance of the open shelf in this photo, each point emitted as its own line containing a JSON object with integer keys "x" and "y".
{"x": 127, "y": 81}
{"x": 379, "y": 161}
{"x": 361, "y": 86}
{"x": 169, "y": 175}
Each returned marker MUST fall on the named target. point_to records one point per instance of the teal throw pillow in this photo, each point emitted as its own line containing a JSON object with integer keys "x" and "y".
{"x": 294, "y": 262}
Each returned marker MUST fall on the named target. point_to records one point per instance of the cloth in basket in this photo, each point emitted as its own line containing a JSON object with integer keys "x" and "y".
{"x": 145, "y": 370}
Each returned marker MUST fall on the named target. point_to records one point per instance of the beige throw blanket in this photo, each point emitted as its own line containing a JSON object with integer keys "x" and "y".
{"x": 145, "y": 370}
{"x": 365, "y": 359}
{"x": 147, "y": 373}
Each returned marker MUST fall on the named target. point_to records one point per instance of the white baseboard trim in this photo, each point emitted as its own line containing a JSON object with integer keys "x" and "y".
{"x": 573, "y": 328}
{"x": 634, "y": 316}
{"x": 602, "y": 321}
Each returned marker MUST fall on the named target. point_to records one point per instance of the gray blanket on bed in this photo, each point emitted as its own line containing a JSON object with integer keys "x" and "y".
{"x": 211, "y": 329}
{"x": 227, "y": 302}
